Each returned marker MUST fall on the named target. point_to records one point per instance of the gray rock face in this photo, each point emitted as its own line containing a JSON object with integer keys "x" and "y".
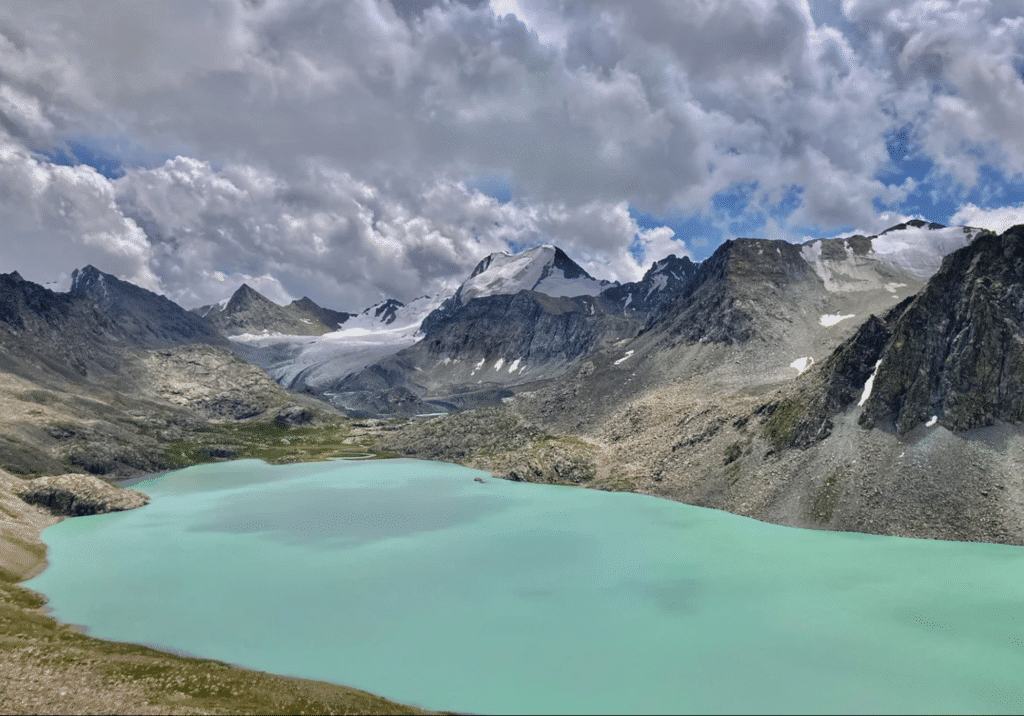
{"x": 209, "y": 381}
{"x": 306, "y": 308}
{"x": 249, "y": 311}
{"x": 23, "y": 303}
{"x": 75, "y": 337}
{"x": 957, "y": 353}
{"x": 474, "y": 355}
{"x": 744, "y": 288}
{"x": 806, "y": 418}
{"x": 141, "y": 317}
{"x": 663, "y": 283}
{"x": 75, "y": 495}
{"x": 528, "y": 326}
{"x": 384, "y": 312}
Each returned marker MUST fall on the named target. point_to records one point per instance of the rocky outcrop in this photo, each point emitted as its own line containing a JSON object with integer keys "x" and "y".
{"x": 957, "y": 352}
{"x": 74, "y": 495}
{"x": 528, "y": 326}
{"x": 384, "y": 312}
{"x": 663, "y": 283}
{"x": 806, "y": 416}
{"x": 139, "y": 317}
{"x": 249, "y": 311}
{"x": 211, "y": 382}
{"x": 292, "y": 415}
{"x": 306, "y": 308}
{"x": 745, "y": 290}
{"x": 499, "y": 442}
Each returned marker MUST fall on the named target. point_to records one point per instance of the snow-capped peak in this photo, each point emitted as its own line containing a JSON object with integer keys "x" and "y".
{"x": 391, "y": 316}
{"x": 915, "y": 248}
{"x": 919, "y": 249}
{"x": 545, "y": 269}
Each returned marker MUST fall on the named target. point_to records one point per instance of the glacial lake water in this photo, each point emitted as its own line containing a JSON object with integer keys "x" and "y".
{"x": 412, "y": 580}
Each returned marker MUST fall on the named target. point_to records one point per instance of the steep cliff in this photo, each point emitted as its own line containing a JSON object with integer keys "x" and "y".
{"x": 957, "y": 353}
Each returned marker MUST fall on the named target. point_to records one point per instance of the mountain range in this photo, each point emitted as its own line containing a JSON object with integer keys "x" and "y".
{"x": 867, "y": 383}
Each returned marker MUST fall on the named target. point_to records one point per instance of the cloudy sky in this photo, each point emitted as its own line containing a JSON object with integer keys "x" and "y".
{"x": 361, "y": 149}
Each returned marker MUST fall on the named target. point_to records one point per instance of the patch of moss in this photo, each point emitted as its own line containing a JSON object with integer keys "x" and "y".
{"x": 618, "y": 483}
{"x": 28, "y": 461}
{"x": 825, "y": 501}
{"x": 270, "y": 441}
{"x": 732, "y": 475}
{"x": 732, "y": 453}
{"x": 782, "y": 426}
{"x": 39, "y": 397}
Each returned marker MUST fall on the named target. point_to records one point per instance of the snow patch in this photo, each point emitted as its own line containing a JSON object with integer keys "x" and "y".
{"x": 802, "y": 364}
{"x": 624, "y": 358}
{"x": 891, "y": 287}
{"x": 869, "y": 384}
{"x": 832, "y": 319}
{"x": 660, "y": 282}
{"x": 498, "y": 363}
{"x": 934, "y": 419}
{"x": 479, "y": 365}
{"x": 513, "y": 366}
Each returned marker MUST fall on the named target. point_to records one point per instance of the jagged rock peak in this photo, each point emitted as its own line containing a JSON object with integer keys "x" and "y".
{"x": 955, "y": 355}
{"x": 747, "y": 288}
{"x": 915, "y": 223}
{"x": 148, "y": 319}
{"x": 85, "y": 278}
{"x": 661, "y": 285}
{"x": 305, "y": 302}
{"x": 244, "y": 296}
{"x": 385, "y": 311}
{"x": 545, "y": 269}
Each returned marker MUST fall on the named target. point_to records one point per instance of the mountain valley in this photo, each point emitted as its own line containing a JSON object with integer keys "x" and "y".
{"x": 865, "y": 384}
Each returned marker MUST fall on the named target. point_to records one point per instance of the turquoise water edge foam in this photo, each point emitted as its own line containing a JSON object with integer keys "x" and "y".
{"x": 414, "y": 581}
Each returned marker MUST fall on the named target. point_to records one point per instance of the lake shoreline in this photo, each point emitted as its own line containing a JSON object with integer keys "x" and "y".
{"x": 544, "y": 571}
{"x": 53, "y": 667}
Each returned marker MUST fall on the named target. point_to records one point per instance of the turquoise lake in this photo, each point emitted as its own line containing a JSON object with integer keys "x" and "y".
{"x": 411, "y": 580}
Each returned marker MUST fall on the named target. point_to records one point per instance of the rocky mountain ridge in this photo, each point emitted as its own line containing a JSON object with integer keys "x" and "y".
{"x": 664, "y": 281}
{"x": 909, "y": 424}
{"x": 901, "y": 415}
{"x": 788, "y": 297}
{"x": 248, "y": 311}
{"x": 775, "y": 342}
